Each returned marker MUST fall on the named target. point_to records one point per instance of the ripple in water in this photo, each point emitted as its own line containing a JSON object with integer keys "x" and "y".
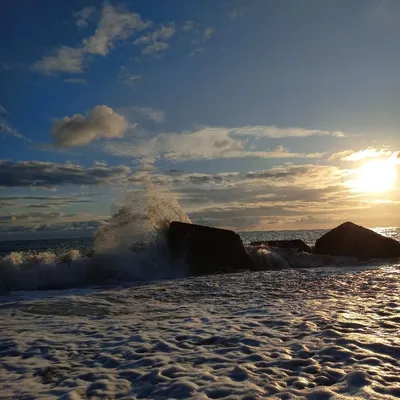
{"x": 310, "y": 334}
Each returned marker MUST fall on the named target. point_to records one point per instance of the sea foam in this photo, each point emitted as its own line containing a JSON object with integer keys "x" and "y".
{"x": 132, "y": 247}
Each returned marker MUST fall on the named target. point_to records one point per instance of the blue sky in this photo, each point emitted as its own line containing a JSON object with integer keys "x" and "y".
{"x": 256, "y": 114}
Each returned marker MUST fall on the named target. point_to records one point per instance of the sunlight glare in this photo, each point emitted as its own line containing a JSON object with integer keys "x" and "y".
{"x": 375, "y": 176}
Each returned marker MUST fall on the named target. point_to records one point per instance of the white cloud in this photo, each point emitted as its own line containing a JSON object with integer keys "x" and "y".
{"x": 277, "y": 133}
{"x": 66, "y": 59}
{"x": 7, "y": 129}
{"x": 155, "y": 48}
{"x": 100, "y": 163}
{"x": 115, "y": 24}
{"x": 164, "y": 32}
{"x": 156, "y": 41}
{"x": 83, "y": 15}
{"x": 304, "y": 176}
{"x": 100, "y": 123}
{"x": 350, "y": 155}
{"x": 207, "y": 143}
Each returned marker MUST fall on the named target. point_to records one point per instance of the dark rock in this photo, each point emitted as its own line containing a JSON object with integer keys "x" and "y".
{"x": 297, "y": 244}
{"x": 351, "y": 240}
{"x": 206, "y": 249}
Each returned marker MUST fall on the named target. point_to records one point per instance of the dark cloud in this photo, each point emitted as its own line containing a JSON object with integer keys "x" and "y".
{"x": 47, "y": 230}
{"x": 282, "y": 172}
{"x": 49, "y": 175}
{"x": 197, "y": 179}
{"x": 173, "y": 171}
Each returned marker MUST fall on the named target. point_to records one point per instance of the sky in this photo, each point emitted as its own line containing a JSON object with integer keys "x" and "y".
{"x": 256, "y": 114}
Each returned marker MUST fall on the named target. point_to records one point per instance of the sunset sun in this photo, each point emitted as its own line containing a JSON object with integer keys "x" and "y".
{"x": 375, "y": 177}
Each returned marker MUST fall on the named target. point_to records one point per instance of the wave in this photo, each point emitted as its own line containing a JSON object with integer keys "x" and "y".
{"x": 132, "y": 246}
{"x": 46, "y": 270}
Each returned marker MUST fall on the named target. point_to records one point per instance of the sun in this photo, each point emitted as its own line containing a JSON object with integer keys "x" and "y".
{"x": 376, "y": 176}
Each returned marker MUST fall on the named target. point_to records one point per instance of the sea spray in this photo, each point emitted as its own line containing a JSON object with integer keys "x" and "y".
{"x": 131, "y": 246}
{"x": 140, "y": 218}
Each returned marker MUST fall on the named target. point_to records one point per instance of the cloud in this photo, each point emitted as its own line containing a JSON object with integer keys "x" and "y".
{"x": 100, "y": 164}
{"x": 155, "y": 48}
{"x": 7, "y": 129}
{"x": 50, "y": 175}
{"x": 277, "y": 133}
{"x": 128, "y": 77}
{"x": 75, "y": 80}
{"x": 164, "y": 32}
{"x": 151, "y": 114}
{"x": 48, "y": 224}
{"x": 100, "y": 123}
{"x": 33, "y": 218}
{"x": 202, "y": 179}
{"x": 132, "y": 79}
{"x": 350, "y": 155}
{"x": 189, "y": 26}
{"x": 156, "y": 41}
{"x": 41, "y": 201}
{"x": 83, "y": 15}
{"x": 115, "y": 24}
{"x": 66, "y": 59}
{"x": 237, "y": 12}
{"x": 314, "y": 176}
{"x": 204, "y": 144}
{"x": 279, "y": 196}
{"x": 207, "y": 33}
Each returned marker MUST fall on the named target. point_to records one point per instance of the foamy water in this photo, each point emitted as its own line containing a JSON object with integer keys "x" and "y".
{"x": 309, "y": 334}
{"x": 136, "y": 325}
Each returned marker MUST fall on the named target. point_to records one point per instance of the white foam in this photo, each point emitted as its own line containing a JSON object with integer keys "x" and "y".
{"x": 276, "y": 335}
{"x": 131, "y": 246}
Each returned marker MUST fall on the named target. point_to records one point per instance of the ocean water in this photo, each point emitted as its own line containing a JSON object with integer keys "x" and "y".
{"x": 135, "y": 325}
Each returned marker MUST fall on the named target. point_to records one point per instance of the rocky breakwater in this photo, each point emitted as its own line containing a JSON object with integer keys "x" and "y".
{"x": 351, "y": 240}
{"x": 207, "y": 250}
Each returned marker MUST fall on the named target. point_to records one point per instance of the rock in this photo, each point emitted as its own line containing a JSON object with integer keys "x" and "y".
{"x": 206, "y": 249}
{"x": 351, "y": 240}
{"x": 297, "y": 244}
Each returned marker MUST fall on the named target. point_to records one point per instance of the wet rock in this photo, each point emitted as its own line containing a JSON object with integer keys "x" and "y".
{"x": 206, "y": 249}
{"x": 351, "y": 240}
{"x": 296, "y": 244}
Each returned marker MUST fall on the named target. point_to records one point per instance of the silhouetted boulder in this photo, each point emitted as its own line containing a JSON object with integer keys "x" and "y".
{"x": 296, "y": 244}
{"x": 351, "y": 240}
{"x": 206, "y": 249}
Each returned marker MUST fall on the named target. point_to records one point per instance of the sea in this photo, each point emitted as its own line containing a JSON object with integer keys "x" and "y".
{"x": 131, "y": 323}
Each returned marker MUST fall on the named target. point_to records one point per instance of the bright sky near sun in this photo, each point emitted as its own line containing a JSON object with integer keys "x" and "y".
{"x": 258, "y": 114}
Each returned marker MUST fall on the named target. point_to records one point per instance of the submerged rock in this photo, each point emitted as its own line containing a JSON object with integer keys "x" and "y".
{"x": 351, "y": 240}
{"x": 206, "y": 249}
{"x": 296, "y": 244}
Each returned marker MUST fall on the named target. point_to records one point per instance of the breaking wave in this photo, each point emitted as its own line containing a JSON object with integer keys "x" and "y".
{"x": 130, "y": 247}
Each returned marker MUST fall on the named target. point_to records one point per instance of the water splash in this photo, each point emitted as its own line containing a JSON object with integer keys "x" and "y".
{"x": 130, "y": 247}
{"x": 141, "y": 218}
